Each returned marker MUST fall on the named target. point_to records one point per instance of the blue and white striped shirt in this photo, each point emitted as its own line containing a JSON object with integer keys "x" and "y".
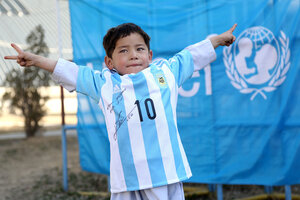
{"x": 140, "y": 115}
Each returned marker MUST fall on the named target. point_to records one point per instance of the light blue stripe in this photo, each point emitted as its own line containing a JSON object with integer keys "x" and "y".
{"x": 150, "y": 137}
{"x": 89, "y": 83}
{"x": 183, "y": 67}
{"x": 123, "y": 138}
{"x": 101, "y": 98}
{"x": 166, "y": 98}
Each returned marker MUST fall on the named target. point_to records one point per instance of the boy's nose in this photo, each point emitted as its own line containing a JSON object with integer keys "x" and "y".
{"x": 133, "y": 55}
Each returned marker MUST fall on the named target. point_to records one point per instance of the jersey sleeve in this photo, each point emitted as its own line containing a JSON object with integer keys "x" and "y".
{"x": 193, "y": 58}
{"x": 65, "y": 74}
{"x": 80, "y": 78}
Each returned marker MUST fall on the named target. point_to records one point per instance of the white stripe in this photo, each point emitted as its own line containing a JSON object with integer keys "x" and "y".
{"x": 117, "y": 179}
{"x": 135, "y": 134}
{"x": 162, "y": 128}
{"x": 100, "y": 103}
{"x": 174, "y": 95}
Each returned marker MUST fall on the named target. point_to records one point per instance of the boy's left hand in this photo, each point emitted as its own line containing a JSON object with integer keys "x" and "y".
{"x": 224, "y": 39}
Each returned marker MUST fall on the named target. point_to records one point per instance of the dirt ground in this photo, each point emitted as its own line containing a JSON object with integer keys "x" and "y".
{"x": 32, "y": 169}
{"x": 21, "y": 161}
{"x": 24, "y": 162}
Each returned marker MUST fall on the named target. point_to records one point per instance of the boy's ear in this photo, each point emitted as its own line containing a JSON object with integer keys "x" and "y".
{"x": 150, "y": 55}
{"x": 108, "y": 62}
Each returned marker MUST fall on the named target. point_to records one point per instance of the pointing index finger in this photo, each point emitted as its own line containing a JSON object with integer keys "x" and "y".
{"x": 232, "y": 28}
{"x": 11, "y": 57}
{"x": 18, "y": 49}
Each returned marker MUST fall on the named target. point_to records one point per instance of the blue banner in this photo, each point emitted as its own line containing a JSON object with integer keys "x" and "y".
{"x": 239, "y": 119}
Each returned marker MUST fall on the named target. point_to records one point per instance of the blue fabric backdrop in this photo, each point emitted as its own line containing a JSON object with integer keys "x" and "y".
{"x": 239, "y": 119}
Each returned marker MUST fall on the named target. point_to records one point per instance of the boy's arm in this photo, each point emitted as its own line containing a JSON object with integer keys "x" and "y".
{"x": 63, "y": 72}
{"x": 204, "y": 53}
{"x": 201, "y": 54}
{"x": 224, "y": 39}
{"x": 26, "y": 59}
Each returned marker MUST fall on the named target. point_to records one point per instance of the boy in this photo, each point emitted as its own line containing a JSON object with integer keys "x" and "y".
{"x": 138, "y": 99}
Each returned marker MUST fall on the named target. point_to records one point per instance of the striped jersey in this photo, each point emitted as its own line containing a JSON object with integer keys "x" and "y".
{"x": 140, "y": 115}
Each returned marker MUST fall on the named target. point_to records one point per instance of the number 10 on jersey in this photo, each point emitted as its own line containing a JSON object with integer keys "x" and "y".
{"x": 150, "y": 109}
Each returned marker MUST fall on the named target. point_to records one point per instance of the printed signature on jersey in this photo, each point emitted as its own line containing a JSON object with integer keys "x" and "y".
{"x": 121, "y": 118}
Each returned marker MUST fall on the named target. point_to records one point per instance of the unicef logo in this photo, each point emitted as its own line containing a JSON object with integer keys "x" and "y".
{"x": 257, "y": 63}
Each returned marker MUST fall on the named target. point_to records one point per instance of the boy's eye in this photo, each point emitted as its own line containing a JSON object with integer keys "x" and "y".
{"x": 140, "y": 48}
{"x": 123, "y": 51}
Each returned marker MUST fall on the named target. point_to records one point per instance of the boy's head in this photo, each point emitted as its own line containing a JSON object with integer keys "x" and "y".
{"x": 127, "y": 49}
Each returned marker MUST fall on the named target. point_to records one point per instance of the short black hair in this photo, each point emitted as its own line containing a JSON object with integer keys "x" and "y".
{"x": 121, "y": 31}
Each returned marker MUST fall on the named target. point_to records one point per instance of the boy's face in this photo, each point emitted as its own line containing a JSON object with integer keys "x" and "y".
{"x": 131, "y": 55}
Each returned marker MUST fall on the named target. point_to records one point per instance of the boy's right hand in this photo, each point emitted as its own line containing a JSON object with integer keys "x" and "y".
{"x": 25, "y": 59}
